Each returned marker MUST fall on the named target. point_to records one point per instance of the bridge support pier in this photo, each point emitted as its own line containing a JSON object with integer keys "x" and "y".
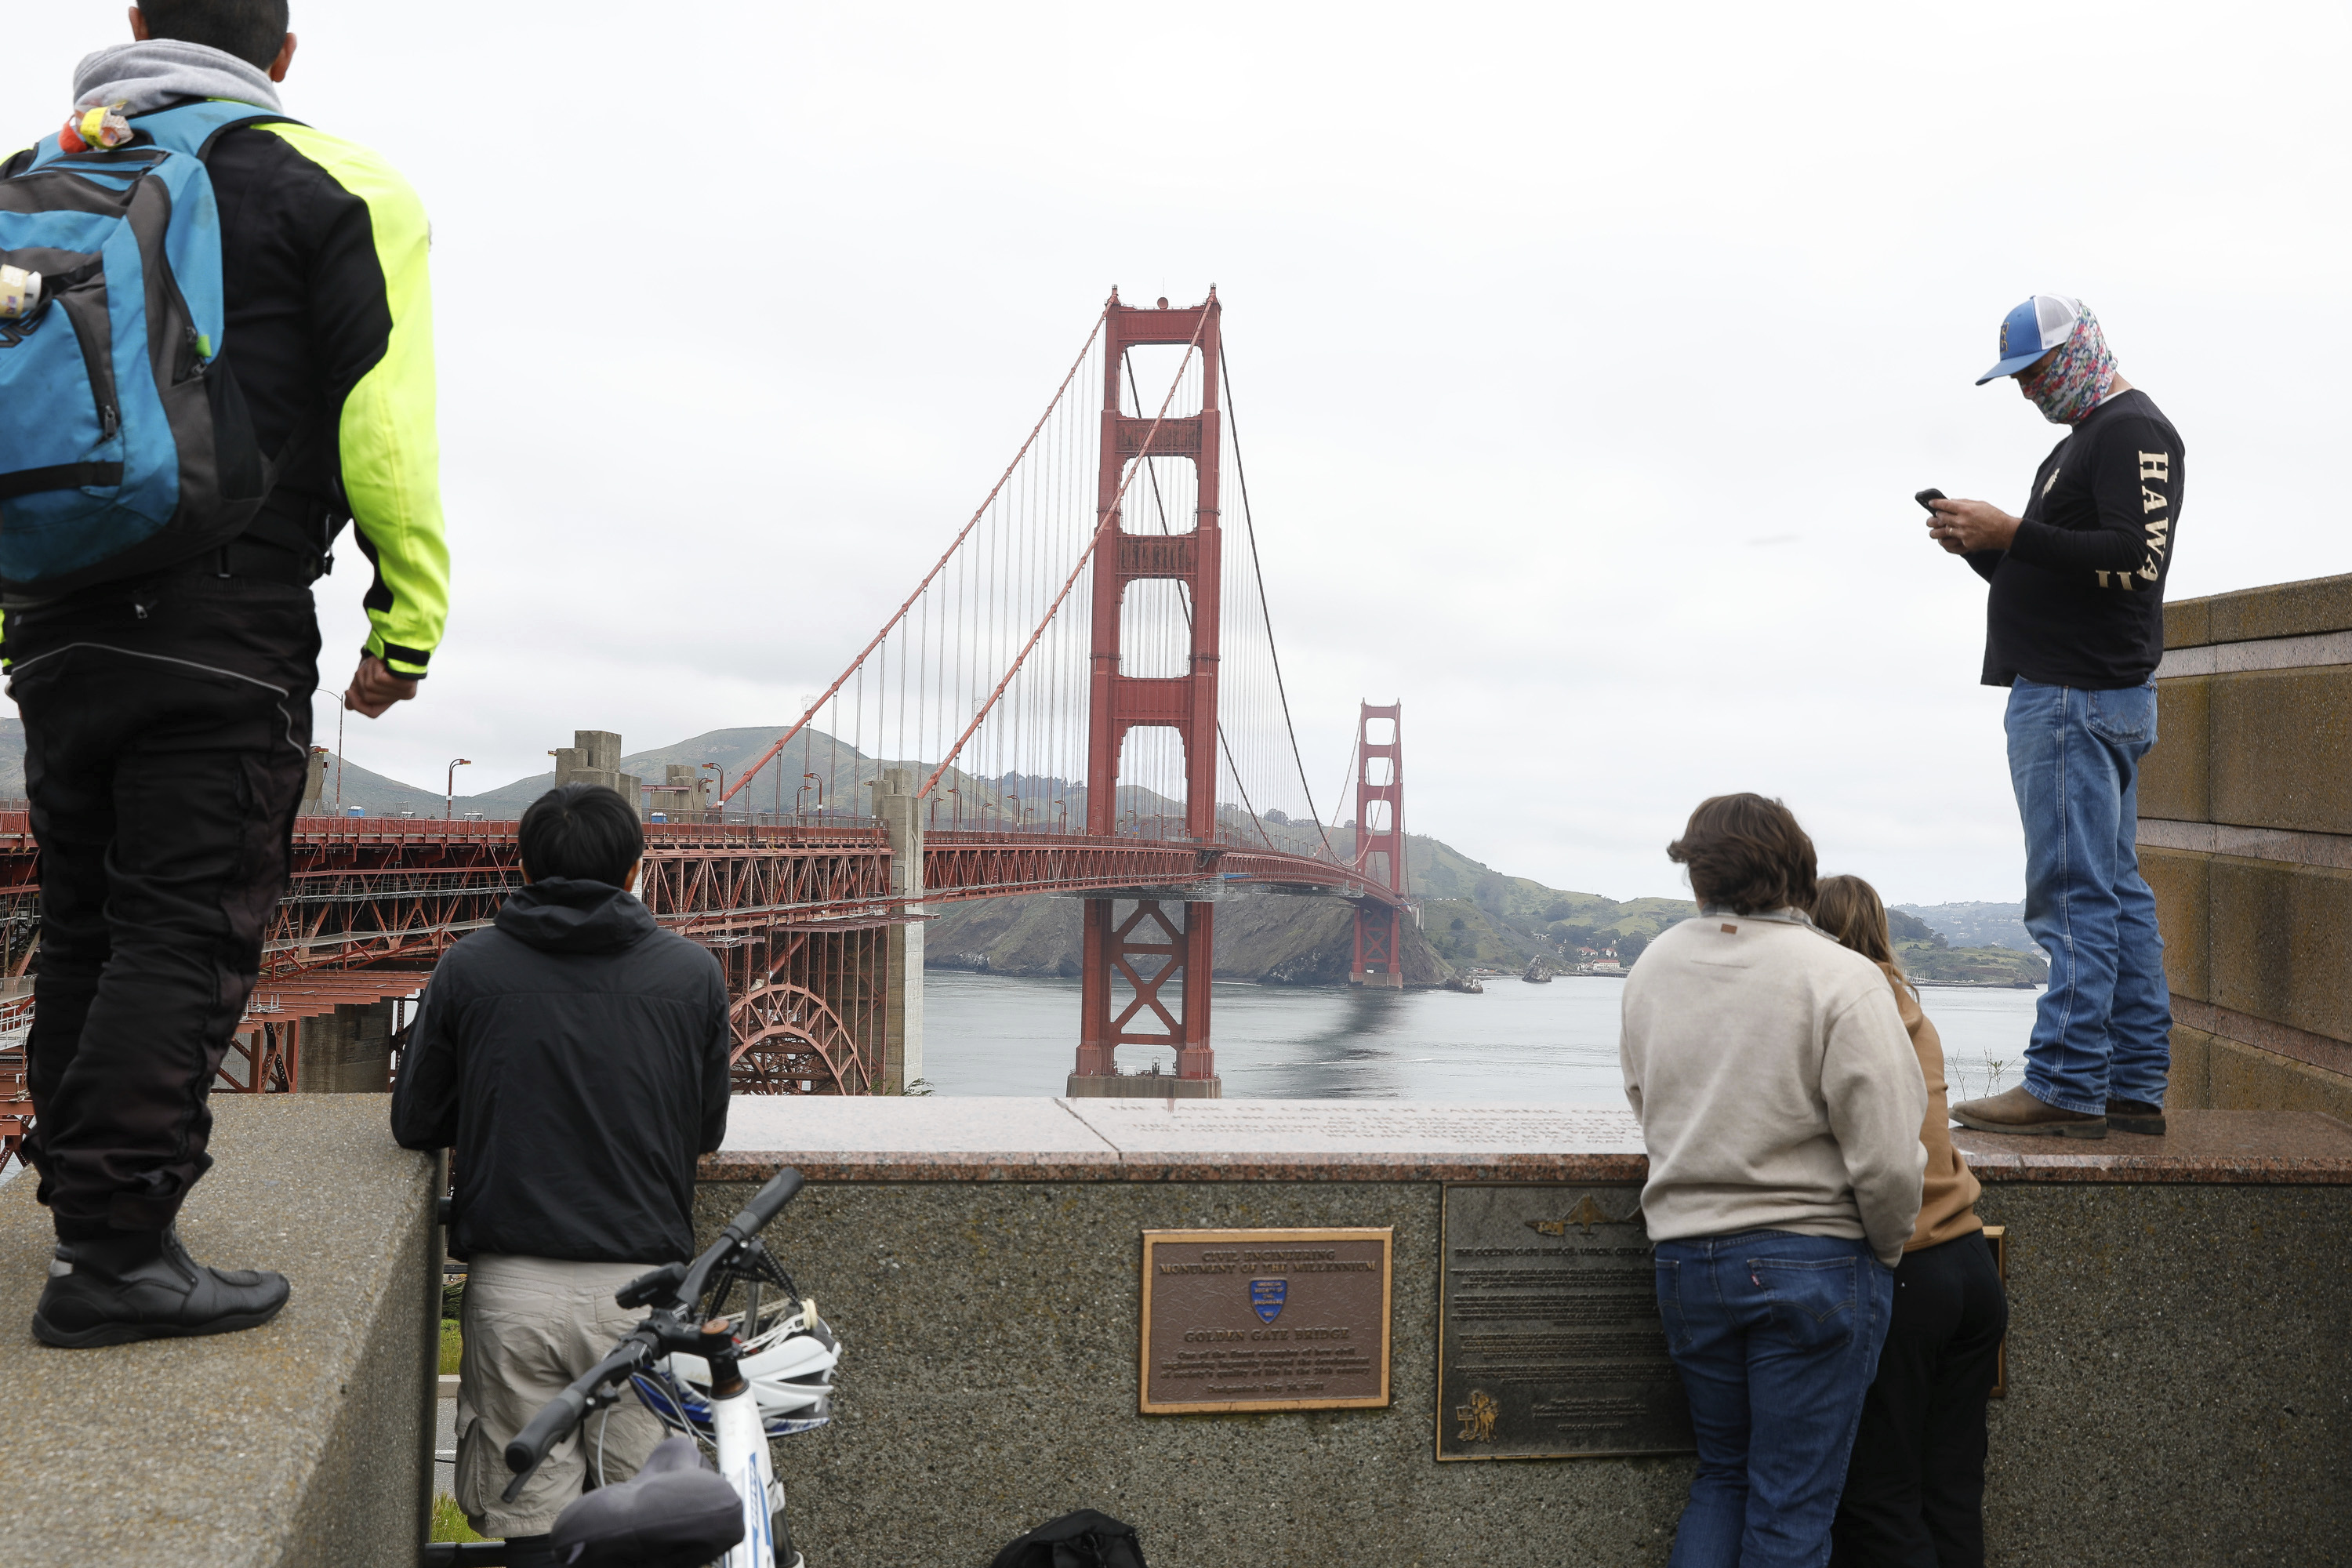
{"x": 1152, "y": 954}
{"x": 1377, "y": 962}
{"x": 902, "y": 1002}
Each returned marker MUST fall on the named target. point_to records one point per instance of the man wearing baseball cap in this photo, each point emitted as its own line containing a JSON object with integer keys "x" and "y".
{"x": 2075, "y": 629}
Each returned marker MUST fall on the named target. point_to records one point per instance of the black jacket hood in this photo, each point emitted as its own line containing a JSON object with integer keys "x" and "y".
{"x": 567, "y": 914}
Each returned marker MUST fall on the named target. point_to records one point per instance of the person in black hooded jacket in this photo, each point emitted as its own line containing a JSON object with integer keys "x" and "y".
{"x": 575, "y": 1057}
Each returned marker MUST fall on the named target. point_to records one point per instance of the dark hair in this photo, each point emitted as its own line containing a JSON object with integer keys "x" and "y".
{"x": 1850, "y": 910}
{"x": 1747, "y": 852}
{"x": 582, "y": 831}
{"x": 252, "y": 30}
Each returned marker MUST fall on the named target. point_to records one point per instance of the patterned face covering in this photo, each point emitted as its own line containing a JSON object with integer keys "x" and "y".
{"x": 2078, "y": 379}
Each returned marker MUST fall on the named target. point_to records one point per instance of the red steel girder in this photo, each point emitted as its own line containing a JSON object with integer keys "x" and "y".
{"x": 1379, "y": 842}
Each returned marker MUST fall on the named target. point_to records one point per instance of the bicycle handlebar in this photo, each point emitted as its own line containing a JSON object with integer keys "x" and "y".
{"x": 562, "y": 1412}
{"x": 766, "y": 1204}
{"x": 639, "y": 1349}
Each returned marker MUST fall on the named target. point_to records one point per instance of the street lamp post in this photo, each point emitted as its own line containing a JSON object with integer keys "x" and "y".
{"x": 813, "y": 783}
{"x": 720, "y": 809}
{"x": 449, "y": 788}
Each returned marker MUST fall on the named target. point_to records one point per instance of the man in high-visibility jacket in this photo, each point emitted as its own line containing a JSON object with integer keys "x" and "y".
{"x": 167, "y": 715}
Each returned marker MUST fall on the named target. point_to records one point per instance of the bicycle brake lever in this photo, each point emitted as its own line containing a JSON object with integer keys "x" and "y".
{"x": 645, "y": 1289}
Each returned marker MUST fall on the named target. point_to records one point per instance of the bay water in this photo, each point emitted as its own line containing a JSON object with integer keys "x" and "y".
{"x": 1518, "y": 1043}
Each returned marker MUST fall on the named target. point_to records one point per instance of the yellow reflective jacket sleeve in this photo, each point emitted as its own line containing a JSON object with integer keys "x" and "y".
{"x": 389, "y": 447}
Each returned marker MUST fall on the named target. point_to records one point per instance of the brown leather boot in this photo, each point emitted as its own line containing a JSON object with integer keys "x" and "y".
{"x": 2136, "y": 1116}
{"x": 2019, "y": 1112}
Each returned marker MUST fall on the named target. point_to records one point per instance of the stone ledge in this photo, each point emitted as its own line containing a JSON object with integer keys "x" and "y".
{"x": 995, "y": 1140}
{"x": 297, "y": 1444}
{"x": 2265, "y": 653}
{"x": 2279, "y": 1039}
{"x": 2201, "y": 1148}
{"x": 977, "y": 1139}
{"x": 2275, "y": 610}
{"x": 2332, "y": 850}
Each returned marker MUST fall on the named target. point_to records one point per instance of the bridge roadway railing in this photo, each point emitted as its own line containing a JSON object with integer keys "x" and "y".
{"x": 793, "y": 907}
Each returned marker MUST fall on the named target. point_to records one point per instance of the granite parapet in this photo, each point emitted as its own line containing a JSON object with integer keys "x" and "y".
{"x": 2177, "y": 1391}
{"x": 2179, "y": 1394}
{"x": 303, "y": 1441}
{"x": 2198, "y": 1148}
{"x": 843, "y": 1139}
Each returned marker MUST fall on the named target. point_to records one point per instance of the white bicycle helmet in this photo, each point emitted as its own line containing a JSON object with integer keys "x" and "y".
{"x": 789, "y": 1363}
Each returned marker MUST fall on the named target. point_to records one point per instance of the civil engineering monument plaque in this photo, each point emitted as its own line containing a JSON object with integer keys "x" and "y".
{"x": 1549, "y": 1339}
{"x": 1264, "y": 1320}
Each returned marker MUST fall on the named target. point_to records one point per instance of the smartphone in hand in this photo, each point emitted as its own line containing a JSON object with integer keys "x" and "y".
{"x": 1924, "y": 497}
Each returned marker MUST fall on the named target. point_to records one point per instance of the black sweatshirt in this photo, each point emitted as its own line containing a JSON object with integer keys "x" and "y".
{"x": 575, "y": 1057}
{"x": 2078, "y": 596}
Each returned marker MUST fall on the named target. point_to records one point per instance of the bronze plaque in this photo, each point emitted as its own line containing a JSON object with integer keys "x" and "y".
{"x": 1549, "y": 1341}
{"x": 1264, "y": 1320}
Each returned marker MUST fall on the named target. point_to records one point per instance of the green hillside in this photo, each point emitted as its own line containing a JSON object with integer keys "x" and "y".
{"x": 1929, "y": 958}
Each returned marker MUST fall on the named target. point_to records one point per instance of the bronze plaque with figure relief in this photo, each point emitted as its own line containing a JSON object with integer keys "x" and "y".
{"x": 1264, "y": 1320}
{"x": 1549, "y": 1339}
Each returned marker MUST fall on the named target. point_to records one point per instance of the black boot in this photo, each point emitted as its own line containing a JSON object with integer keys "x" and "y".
{"x": 142, "y": 1285}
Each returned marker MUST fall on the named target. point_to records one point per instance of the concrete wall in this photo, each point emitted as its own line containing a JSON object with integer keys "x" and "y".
{"x": 2245, "y": 834}
{"x": 348, "y": 1051}
{"x": 302, "y": 1443}
{"x": 595, "y": 758}
{"x": 2180, "y": 1394}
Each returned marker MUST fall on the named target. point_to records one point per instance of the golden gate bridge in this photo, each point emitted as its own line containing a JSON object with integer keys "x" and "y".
{"x": 1082, "y": 695}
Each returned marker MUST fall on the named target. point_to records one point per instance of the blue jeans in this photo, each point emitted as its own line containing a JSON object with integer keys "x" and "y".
{"x": 2105, "y": 1027}
{"x": 1777, "y": 1338}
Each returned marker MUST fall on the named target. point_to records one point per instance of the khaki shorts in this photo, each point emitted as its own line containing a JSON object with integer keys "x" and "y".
{"x": 531, "y": 1325}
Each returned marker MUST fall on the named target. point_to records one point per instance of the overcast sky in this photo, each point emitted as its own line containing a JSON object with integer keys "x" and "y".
{"x": 1587, "y": 358}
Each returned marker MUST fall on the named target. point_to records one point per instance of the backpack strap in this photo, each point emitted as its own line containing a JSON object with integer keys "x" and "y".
{"x": 192, "y": 127}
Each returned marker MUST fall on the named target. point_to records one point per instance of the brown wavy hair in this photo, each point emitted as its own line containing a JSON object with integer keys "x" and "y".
{"x": 1747, "y": 852}
{"x": 1850, "y": 910}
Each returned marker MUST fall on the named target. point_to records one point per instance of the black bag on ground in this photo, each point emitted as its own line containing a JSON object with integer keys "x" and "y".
{"x": 1082, "y": 1540}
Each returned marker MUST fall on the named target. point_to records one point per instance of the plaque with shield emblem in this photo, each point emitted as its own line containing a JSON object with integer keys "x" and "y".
{"x": 1549, "y": 1339}
{"x": 1264, "y": 1320}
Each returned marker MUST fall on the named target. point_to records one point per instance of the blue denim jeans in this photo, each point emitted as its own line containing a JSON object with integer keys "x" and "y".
{"x": 1777, "y": 1338}
{"x": 2105, "y": 1027}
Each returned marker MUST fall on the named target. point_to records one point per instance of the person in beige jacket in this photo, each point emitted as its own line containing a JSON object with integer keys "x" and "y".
{"x": 1780, "y": 1104}
{"x": 1914, "y": 1487}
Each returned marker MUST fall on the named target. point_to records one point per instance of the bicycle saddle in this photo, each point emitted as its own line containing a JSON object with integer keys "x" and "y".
{"x": 672, "y": 1514}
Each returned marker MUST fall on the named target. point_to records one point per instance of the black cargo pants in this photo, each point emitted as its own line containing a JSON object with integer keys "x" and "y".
{"x": 167, "y": 736}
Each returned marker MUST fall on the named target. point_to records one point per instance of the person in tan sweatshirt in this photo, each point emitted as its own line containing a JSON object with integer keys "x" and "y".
{"x": 1780, "y": 1105}
{"x": 1914, "y": 1488}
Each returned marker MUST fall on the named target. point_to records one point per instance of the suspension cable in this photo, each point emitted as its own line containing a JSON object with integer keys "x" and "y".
{"x": 1151, "y": 437}
{"x": 1160, "y": 505}
{"x": 1249, "y": 525}
{"x": 956, "y": 544}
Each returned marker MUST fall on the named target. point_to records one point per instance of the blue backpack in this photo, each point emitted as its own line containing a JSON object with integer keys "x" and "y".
{"x": 125, "y": 446}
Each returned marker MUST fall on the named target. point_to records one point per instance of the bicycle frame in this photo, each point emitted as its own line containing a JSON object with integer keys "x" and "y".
{"x": 674, "y": 1325}
{"x": 743, "y": 1459}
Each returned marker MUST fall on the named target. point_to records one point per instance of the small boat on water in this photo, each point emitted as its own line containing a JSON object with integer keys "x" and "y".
{"x": 1536, "y": 974}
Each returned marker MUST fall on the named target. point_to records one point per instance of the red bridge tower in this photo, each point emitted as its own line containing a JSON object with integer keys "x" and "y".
{"x": 1165, "y": 965}
{"x": 1380, "y": 844}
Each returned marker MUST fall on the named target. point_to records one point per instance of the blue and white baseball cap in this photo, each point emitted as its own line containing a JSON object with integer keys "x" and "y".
{"x": 2032, "y": 329}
